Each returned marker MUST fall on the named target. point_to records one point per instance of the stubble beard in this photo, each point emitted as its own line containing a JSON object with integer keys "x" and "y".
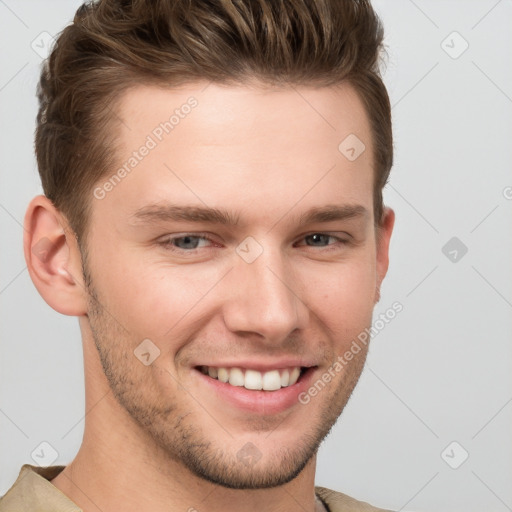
{"x": 168, "y": 426}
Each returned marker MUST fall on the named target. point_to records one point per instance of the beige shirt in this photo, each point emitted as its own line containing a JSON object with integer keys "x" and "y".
{"x": 33, "y": 492}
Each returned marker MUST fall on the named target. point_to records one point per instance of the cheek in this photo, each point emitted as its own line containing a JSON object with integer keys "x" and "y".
{"x": 155, "y": 299}
{"x": 343, "y": 297}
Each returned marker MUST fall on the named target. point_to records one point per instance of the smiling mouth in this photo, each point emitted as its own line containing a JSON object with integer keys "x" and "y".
{"x": 272, "y": 380}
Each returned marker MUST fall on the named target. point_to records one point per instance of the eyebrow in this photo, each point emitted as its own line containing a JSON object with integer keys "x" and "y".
{"x": 168, "y": 212}
{"x": 333, "y": 212}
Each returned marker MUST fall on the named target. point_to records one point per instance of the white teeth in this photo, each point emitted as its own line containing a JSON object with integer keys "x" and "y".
{"x": 271, "y": 380}
{"x": 223, "y": 374}
{"x": 236, "y": 377}
{"x": 253, "y": 379}
{"x": 294, "y": 376}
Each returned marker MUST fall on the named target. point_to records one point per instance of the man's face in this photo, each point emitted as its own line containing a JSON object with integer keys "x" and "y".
{"x": 242, "y": 245}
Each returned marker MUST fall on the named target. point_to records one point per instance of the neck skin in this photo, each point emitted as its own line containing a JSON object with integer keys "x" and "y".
{"x": 119, "y": 468}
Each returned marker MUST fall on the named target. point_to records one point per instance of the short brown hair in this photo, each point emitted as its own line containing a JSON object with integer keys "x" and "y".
{"x": 115, "y": 44}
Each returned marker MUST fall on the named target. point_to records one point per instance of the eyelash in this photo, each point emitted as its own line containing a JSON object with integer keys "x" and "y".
{"x": 167, "y": 244}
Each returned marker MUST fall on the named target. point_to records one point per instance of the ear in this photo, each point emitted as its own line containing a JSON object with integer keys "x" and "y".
{"x": 53, "y": 258}
{"x": 382, "y": 253}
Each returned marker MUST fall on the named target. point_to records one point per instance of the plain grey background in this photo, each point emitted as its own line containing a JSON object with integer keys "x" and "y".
{"x": 429, "y": 425}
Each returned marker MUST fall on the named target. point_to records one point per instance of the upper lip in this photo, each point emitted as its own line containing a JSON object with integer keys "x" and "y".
{"x": 262, "y": 366}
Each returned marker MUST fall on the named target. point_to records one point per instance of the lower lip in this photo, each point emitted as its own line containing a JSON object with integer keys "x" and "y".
{"x": 261, "y": 402}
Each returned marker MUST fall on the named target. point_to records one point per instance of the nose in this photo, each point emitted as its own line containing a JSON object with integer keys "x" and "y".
{"x": 264, "y": 298}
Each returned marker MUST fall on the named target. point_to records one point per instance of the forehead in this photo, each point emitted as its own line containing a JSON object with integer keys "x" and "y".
{"x": 240, "y": 145}
{"x": 225, "y": 114}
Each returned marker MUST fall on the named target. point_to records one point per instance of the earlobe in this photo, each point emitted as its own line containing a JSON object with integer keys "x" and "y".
{"x": 53, "y": 259}
{"x": 383, "y": 240}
